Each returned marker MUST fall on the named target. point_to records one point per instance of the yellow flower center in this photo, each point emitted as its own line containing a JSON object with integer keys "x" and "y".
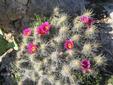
{"x": 46, "y": 27}
{"x": 69, "y": 45}
{"x": 33, "y": 49}
{"x": 27, "y": 33}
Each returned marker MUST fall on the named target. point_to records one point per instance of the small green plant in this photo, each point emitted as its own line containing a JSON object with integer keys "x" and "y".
{"x": 5, "y": 44}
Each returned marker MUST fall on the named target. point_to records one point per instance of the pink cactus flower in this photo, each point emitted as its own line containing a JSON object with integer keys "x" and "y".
{"x": 69, "y": 44}
{"x": 85, "y": 65}
{"x": 31, "y": 48}
{"x": 44, "y": 28}
{"x": 87, "y": 20}
{"x": 27, "y": 32}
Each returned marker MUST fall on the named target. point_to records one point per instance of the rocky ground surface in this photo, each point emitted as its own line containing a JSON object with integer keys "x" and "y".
{"x": 14, "y": 14}
{"x": 106, "y": 34}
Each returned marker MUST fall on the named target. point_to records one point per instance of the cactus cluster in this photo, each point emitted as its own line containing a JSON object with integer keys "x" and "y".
{"x": 57, "y": 52}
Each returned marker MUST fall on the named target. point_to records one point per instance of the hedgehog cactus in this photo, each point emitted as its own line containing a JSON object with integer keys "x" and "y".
{"x": 53, "y": 53}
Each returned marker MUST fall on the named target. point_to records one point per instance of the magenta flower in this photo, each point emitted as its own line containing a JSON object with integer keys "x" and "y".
{"x": 44, "y": 28}
{"x": 27, "y": 32}
{"x": 31, "y": 48}
{"x": 69, "y": 44}
{"x": 87, "y": 20}
{"x": 85, "y": 65}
